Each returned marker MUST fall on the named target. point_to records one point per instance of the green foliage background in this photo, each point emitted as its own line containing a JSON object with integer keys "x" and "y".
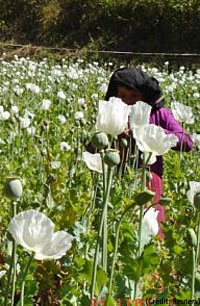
{"x": 140, "y": 25}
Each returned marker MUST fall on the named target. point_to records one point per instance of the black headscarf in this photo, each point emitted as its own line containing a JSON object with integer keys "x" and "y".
{"x": 135, "y": 78}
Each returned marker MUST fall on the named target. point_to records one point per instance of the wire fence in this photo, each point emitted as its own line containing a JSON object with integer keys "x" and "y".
{"x": 193, "y": 58}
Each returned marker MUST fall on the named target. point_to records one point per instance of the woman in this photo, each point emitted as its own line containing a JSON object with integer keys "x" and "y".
{"x": 132, "y": 85}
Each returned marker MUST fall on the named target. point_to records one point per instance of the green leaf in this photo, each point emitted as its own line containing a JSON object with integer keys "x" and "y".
{"x": 110, "y": 301}
{"x": 132, "y": 269}
{"x": 101, "y": 280}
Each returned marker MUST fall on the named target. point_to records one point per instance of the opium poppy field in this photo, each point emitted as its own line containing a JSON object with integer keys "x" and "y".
{"x": 78, "y": 228}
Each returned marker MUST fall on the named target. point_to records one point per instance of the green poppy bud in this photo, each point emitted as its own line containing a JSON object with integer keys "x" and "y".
{"x": 123, "y": 142}
{"x": 144, "y": 197}
{"x": 100, "y": 140}
{"x": 197, "y": 201}
{"x": 112, "y": 158}
{"x": 191, "y": 237}
{"x": 165, "y": 201}
{"x": 13, "y": 188}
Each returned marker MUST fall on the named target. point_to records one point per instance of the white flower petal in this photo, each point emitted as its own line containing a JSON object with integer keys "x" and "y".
{"x": 139, "y": 114}
{"x": 31, "y": 229}
{"x": 112, "y": 116}
{"x": 150, "y": 226}
{"x": 2, "y": 273}
{"x": 93, "y": 161}
{"x": 196, "y": 139}
{"x": 57, "y": 247}
{"x": 182, "y": 112}
{"x": 194, "y": 189}
{"x": 151, "y": 138}
{"x": 34, "y": 231}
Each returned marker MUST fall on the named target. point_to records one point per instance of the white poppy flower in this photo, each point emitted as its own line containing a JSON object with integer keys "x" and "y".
{"x": 78, "y": 115}
{"x": 61, "y": 95}
{"x": 151, "y": 138}
{"x": 28, "y": 114}
{"x": 2, "y": 273}
{"x": 103, "y": 88}
{"x": 182, "y": 112}
{"x": 81, "y": 101}
{"x": 112, "y": 117}
{"x": 150, "y": 226}
{"x": 56, "y": 73}
{"x": 194, "y": 189}
{"x": 62, "y": 119}
{"x": 196, "y": 95}
{"x": 31, "y": 130}
{"x": 24, "y": 122}
{"x": 65, "y": 146}
{"x": 35, "y": 233}
{"x": 33, "y": 88}
{"x": 94, "y": 96}
{"x": 93, "y": 161}
{"x": 196, "y": 139}
{"x": 14, "y": 110}
{"x": 139, "y": 114}
{"x": 4, "y": 116}
{"x": 18, "y": 90}
{"x": 46, "y": 104}
{"x": 55, "y": 164}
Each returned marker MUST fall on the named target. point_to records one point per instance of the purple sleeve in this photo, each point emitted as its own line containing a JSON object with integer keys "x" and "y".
{"x": 171, "y": 126}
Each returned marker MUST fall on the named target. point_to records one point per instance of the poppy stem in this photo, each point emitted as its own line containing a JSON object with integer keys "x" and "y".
{"x": 198, "y": 241}
{"x": 14, "y": 259}
{"x": 140, "y": 222}
{"x": 24, "y": 279}
{"x": 116, "y": 246}
{"x": 12, "y": 267}
{"x": 193, "y": 274}
{"x": 94, "y": 273}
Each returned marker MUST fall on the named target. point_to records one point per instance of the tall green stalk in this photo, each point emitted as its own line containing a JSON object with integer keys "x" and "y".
{"x": 12, "y": 268}
{"x": 14, "y": 259}
{"x": 193, "y": 274}
{"x": 94, "y": 273}
{"x": 24, "y": 279}
{"x": 140, "y": 220}
{"x": 198, "y": 241}
{"x": 116, "y": 247}
{"x": 105, "y": 233}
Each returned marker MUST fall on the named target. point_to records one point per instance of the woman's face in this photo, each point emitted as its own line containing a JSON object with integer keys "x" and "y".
{"x": 129, "y": 96}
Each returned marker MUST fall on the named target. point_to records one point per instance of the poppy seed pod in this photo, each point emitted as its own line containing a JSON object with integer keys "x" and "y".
{"x": 144, "y": 197}
{"x": 100, "y": 140}
{"x": 123, "y": 142}
{"x": 191, "y": 237}
{"x": 112, "y": 158}
{"x": 197, "y": 201}
{"x": 165, "y": 201}
{"x": 13, "y": 188}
